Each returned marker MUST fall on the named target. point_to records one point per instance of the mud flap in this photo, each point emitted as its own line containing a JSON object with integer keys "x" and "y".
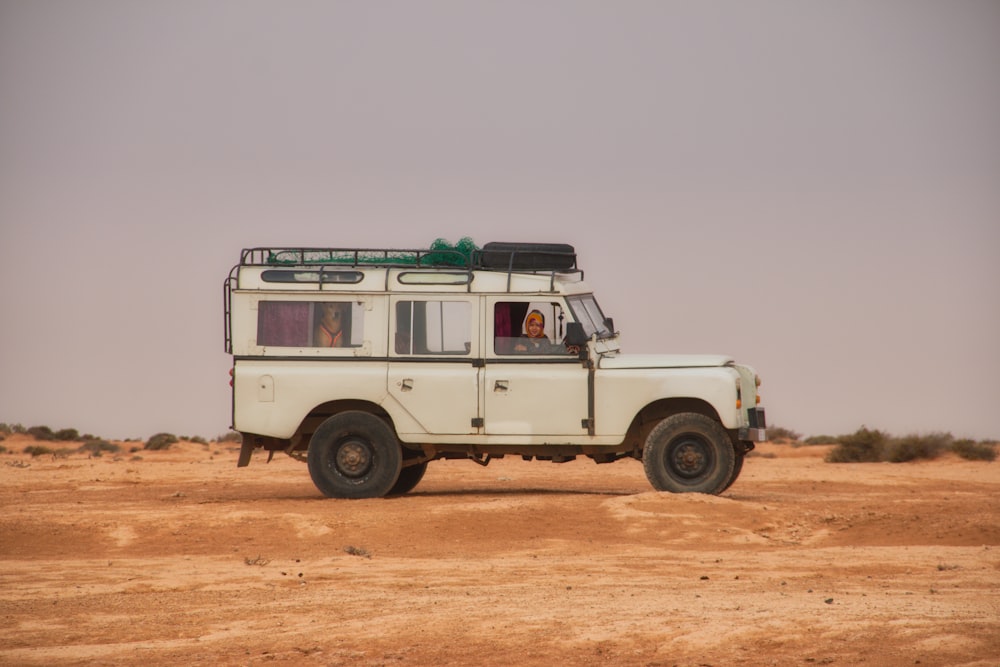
{"x": 246, "y": 451}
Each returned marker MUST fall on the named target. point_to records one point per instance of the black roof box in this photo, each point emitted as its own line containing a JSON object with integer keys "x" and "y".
{"x": 527, "y": 256}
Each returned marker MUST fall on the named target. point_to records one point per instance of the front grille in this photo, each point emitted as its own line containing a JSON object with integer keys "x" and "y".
{"x": 756, "y": 418}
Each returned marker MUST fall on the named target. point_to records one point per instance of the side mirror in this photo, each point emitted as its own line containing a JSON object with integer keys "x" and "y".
{"x": 575, "y": 334}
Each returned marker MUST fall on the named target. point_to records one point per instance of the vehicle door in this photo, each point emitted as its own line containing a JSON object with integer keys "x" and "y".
{"x": 532, "y": 389}
{"x": 434, "y": 361}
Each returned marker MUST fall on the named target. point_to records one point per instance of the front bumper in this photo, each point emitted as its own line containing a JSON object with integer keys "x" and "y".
{"x": 756, "y": 430}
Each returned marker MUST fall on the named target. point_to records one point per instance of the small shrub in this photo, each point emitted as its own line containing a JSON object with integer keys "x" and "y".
{"x": 161, "y": 441}
{"x": 821, "y": 440}
{"x": 38, "y": 450}
{"x": 199, "y": 440}
{"x": 41, "y": 433}
{"x": 5, "y": 429}
{"x": 357, "y": 551}
{"x": 971, "y": 450}
{"x": 98, "y": 447}
{"x": 3, "y": 450}
{"x": 778, "y": 434}
{"x": 231, "y": 436}
{"x": 66, "y": 434}
{"x": 912, "y": 447}
{"x": 862, "y": 446}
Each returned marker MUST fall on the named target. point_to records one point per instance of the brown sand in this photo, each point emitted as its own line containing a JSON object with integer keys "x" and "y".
{"x": 180, "y": 558}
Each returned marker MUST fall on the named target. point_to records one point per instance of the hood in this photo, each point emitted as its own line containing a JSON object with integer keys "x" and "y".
{"x": 664, "y": 361}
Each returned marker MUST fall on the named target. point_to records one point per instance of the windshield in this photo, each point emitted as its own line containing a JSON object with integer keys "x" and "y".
{"x": 588, "y": 313}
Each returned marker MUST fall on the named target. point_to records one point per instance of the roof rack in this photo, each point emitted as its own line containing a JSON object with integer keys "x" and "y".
{"x": 354, "y": 257}
{"x": 508, "y": 257}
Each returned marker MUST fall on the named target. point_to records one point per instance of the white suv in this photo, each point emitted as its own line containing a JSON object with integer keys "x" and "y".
{"x": 369, "y": 363}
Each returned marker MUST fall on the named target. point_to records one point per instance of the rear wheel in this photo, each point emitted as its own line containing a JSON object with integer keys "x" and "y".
{"x": 409, "y": 477}
{"x": 354, "y": 455}
{"x": 689, "y": 453}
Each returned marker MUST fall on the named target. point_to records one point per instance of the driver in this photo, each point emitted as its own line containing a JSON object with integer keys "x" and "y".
{"x": 534, "y": 340}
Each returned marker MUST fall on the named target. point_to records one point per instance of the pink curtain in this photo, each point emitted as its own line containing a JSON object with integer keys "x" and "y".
{"x": 283, "y": 323}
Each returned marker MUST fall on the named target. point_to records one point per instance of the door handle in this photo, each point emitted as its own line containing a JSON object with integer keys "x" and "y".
{"x": 406, "y": 384}
{"x": 500, "y": 385}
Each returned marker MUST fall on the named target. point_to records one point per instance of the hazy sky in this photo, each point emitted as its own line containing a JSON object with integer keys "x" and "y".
{"x": 812, "y": 187}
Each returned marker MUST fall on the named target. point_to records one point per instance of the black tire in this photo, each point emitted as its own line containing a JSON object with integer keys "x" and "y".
{"x": 354, "y": 455}
{"x": 689, "y": 453}
{"x": 409, "y": 477}
{"x": 737, "y": 468}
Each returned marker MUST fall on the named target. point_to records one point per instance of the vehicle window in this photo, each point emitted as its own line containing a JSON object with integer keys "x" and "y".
{"x": 293, "y": 276}
{"x": 587, "y": 312}
{"x": 310, "y": 324}
{"x": 433, "y": 327}
{"x": 528, "y": 327}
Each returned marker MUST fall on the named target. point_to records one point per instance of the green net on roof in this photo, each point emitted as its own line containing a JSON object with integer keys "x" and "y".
{"x": 440, "y": 253}
{"x": 446, "y": 254}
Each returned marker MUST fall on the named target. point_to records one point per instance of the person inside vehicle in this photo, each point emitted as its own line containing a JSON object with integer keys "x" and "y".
{"x": 534, "y": 340}
{"x": 329, "y": 329}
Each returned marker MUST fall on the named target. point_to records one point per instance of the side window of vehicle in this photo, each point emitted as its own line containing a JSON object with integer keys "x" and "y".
{"x": 528, "y": 327}
{"x": 433, "y": 327}
{"x": 310, "y": 324}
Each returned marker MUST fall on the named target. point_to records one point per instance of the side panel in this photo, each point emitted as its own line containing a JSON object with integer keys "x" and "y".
{"x": 272, "y": 397}
{"x": 541, "y": 399}
{"x": 432, "y": 375}
{"x": 621, "y": 393}
{"x": 440, "y": 398}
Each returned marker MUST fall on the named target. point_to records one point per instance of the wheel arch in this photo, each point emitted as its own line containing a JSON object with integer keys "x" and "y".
{"x": 298, "y": 441}
{"x": 324, "y": 411}
{"x": 652, "y": 414}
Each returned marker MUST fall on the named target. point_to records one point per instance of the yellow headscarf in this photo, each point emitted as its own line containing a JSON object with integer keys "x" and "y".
{"x": 535, "y": 315}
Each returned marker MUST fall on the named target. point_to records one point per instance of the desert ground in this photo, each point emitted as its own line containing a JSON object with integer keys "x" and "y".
{"x": 177, "y": 557}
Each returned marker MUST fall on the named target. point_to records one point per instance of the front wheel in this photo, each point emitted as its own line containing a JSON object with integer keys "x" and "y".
{"x": 689, "y": 453}
{"x": 354, "y": 455}
{"x": 737, "y": 467}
